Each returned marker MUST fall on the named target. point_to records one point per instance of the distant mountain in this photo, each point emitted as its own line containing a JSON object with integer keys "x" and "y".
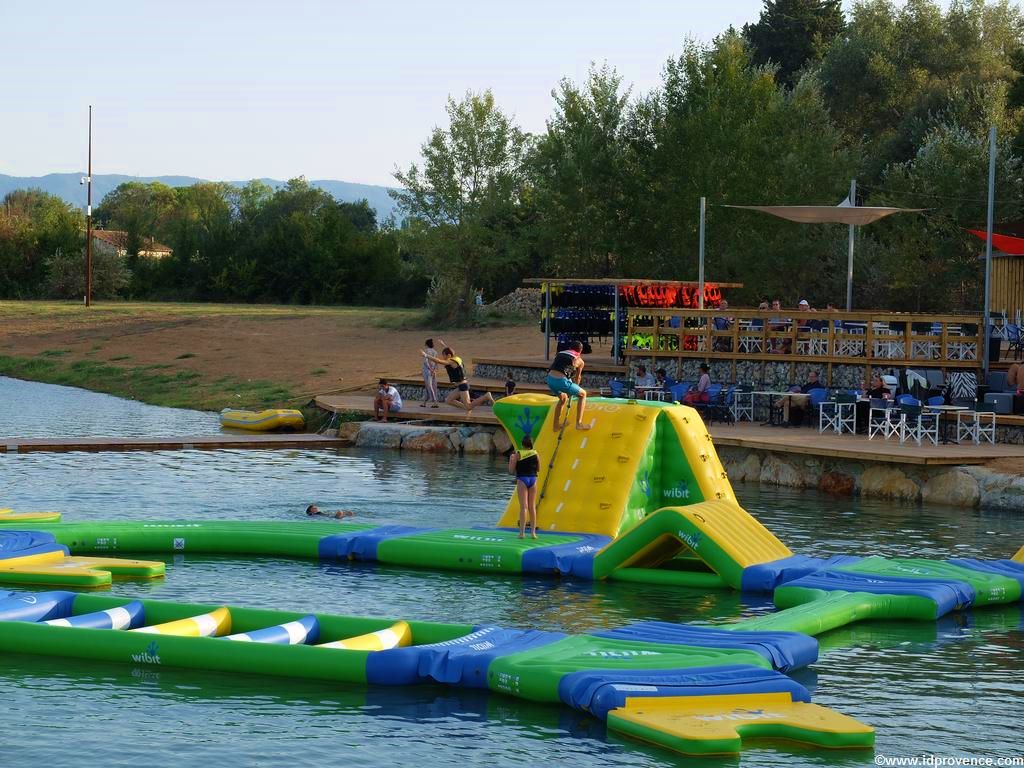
{"x": 66, "y": 186}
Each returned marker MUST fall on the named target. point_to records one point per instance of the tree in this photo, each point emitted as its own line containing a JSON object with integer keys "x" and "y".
{"x": 722, "y": 128}
{"x": 142, "y": 211}
{"x": 894, "y": 70}
{"x": 579, "y": 168}
{"x": 793, "y": 33}
{"x": 471, "y": 181}
{"x": 34, "y": 225}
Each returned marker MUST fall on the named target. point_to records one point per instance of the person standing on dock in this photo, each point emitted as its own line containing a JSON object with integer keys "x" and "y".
{"x": 564, "y": 382}
{"x": 525, "y": 465}
{"x": 457, "y": 375}
{"x": 429, "y": 375}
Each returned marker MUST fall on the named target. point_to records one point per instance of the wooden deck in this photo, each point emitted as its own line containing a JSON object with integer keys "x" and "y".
{"x": 805, "y": 440}
{"x": 594, "y": 363}
{"x": 205, "y": 442}
{"x": 443, "y": 414}
{"x": 476, "y": 384}
{"x": 802, "y": 440}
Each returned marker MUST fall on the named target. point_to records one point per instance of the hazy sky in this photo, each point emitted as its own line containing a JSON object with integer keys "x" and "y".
{"x": 345, "y": 90}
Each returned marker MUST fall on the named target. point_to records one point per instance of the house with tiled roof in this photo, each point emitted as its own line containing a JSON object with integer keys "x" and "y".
{"x": 116, "y": 241}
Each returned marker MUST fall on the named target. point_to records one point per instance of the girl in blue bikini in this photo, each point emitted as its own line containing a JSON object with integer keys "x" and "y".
{"x": 525, "y": 465}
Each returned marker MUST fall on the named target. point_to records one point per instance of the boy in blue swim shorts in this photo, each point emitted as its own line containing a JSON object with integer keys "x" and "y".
{"x": 563, "y": 380}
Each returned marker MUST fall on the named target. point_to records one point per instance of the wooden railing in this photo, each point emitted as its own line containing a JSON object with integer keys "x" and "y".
{"x": 870, "y": 339}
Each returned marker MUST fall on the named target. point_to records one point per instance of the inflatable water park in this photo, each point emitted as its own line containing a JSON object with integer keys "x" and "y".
{"x": 639, "y": 497}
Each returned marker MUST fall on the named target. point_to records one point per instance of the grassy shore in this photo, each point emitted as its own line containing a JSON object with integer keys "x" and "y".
{"x": 212, "y": 356}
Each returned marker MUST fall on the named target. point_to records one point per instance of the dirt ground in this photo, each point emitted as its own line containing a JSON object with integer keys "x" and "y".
{"x": 308, "y": 350}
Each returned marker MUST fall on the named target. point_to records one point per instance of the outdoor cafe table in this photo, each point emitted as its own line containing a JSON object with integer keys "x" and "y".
{"x": 657, "y": 392}
{"x": 771, "y": 408}
{"x": 944, "y": 409}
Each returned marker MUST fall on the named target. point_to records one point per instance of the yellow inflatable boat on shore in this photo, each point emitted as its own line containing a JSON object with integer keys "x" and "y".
{"x": 262, "y": 421}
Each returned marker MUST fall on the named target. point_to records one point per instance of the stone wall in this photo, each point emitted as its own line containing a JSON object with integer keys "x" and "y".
{"x": 591, "y": 380}
{"x": 428, "y": 438}
{"x": 958, "y": 486}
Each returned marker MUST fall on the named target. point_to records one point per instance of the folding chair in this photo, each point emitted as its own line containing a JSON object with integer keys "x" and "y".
{"x": 976, "y": 426}
{"x": 839, "y": 414}
{"x": 917, "y": 425}
{"x": 882, "y": 419}
{"x": 742, "y": 406}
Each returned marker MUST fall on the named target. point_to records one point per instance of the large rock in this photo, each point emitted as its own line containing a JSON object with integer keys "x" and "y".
{"x": 888, "y": 483}
{"x": 746, "y": 469}
{"x": 956, "y": 488}
{"x": 478, "y": 442}
{"x": 502, "y": 442}
{"x": 349, "y": 431}
{"x": 837, "y": 483}
{"x": 373, "y": 435}
{"x": 430, "y": 441}
{"x": 776, "y": 470}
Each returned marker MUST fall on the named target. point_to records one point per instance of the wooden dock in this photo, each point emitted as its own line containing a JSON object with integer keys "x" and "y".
{"x": 411, "y": 411}
{"x": 205, "y": 443}
{"x": 798, "y": 440}
{"x": 805, "y": 440}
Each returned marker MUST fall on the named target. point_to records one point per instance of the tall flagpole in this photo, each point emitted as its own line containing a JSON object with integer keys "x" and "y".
{"x": 988, "y": 240}
{"x": 849, "y": 252}
{"x": 88, "y": 221}
{"x": 700, "y": 263}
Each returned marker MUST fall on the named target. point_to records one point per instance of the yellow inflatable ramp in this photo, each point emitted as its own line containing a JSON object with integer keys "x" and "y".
{"x": 1019, "y": 557}
{"x": 212, "y": 624}
{"x": 638, "y": 456}
{"x": 398, "y": 635}
{"x": 714, "y": 725}
{"x": 10, "y": 517}
{"x": 593, "y": 484}
{"x": 57, "y": 569}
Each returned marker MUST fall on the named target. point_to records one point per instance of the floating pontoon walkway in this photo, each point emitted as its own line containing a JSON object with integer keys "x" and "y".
{"x": 206, "y": 443}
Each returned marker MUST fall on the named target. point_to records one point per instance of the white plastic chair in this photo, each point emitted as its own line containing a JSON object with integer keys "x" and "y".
{"x": 976, "y": 426}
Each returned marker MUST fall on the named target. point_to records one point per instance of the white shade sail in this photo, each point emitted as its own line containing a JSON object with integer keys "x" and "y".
{"x": 828, "y": 214}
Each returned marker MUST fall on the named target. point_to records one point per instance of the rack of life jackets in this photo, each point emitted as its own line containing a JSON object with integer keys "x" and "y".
{"x": 586, "y": 313}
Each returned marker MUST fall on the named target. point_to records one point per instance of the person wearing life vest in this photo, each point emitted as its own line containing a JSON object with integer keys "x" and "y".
{"x": 564, "y": 382}
{"x": 459, "y": 396}
{"x": 525, "y": 465}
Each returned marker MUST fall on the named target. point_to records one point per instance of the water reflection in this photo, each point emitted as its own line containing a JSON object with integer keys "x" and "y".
{"x": 949, "y": 687}
{"x": 29, "y": 409}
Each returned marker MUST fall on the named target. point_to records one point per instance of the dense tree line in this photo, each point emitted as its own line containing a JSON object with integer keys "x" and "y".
{"x": 296, "y": 244}
{"x": 787, "y": 110}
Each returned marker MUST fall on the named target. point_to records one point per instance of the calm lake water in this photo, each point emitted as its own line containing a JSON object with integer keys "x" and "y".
{"x": 954, "y": 687}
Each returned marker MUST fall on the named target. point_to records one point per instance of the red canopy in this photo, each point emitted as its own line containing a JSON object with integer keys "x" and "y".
{"x": 1012, "y": 246}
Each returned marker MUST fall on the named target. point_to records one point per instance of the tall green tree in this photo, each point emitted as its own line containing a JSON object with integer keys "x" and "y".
{"x": 791, "y": 34}
{"x": 465, "y": 194}
{"x": 579, "y": 169}
{"x": 34, "y": 226}
{"x": 894, "y": 70}
{"x": 724, "y": 129}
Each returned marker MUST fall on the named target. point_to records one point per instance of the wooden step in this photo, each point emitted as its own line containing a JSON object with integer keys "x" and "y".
{"x": 595, "y": 363}
{"x": 476, "y": 384}
{"x": 444, "y": 414}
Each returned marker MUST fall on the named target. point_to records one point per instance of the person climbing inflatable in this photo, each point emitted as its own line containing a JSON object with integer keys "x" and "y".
{"x": 564, "y": 382}
{"x": 525, "y": 465}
